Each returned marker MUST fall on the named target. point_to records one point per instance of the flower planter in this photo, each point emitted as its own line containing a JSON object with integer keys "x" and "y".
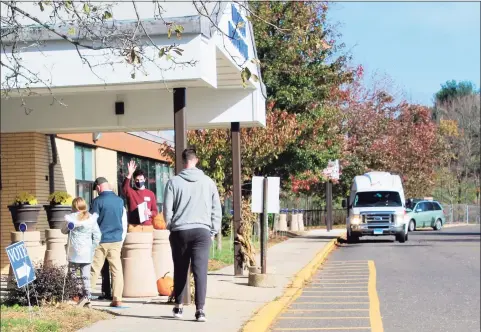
{"x": 56, "y": 215}
{"x": 27, "y": 214}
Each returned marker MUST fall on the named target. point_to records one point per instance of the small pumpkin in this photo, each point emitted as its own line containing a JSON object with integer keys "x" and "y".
{"x": 159, "y": 222}
{"x": 165, "y": 285}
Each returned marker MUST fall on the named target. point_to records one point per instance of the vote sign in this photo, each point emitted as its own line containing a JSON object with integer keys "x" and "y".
{"x": 21, "y": 264}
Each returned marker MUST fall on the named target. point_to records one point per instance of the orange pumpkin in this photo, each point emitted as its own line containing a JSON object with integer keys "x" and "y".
{"x": 159, "y": 222}
{"x": 165, "y": 285}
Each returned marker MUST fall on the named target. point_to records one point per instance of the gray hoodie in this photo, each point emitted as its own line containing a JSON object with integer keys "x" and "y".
{"x": 191, "y": 200}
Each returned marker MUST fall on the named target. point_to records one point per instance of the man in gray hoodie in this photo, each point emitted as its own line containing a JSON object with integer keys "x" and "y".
{"x": 193, "y": 214}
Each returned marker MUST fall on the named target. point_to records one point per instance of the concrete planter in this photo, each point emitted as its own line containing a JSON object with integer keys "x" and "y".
{"x": 56, "y": 215}
{"x": 27, "y": 214}
{"x": 138, "y": 266}
{"x": 262, "y": 280}
{"x": 56, "y": 245}
{"x": 162, "y": 254}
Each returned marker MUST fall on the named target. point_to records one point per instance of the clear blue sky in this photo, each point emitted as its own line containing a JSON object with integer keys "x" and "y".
{"x": 419, "y": 45}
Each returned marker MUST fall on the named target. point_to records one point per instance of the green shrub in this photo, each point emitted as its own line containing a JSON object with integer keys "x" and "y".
{"x": 25, "y": 198}
{"x": 46, "y": 288}
{"x": 60, "y": 198}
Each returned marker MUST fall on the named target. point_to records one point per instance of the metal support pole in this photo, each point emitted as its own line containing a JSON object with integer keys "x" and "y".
{"x": 180, "y": 139}
{"x": 329, "y": 206}
{"x": 347, "y": 207}
{"x": 180, "y": 127}
{"x": 264, "y": 229}
{"x": 0, "y": 167}
{"x": 237, "y": 193}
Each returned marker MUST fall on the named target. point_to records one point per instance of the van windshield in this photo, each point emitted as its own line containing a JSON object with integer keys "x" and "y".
{"x": 377, "y": 198}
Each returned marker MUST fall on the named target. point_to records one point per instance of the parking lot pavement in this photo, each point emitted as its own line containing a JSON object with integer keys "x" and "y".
{"x": 341, "y": 297}
{"x": 429, "y": 284}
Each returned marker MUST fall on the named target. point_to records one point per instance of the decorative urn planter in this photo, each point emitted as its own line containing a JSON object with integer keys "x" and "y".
{"x": 25, "y": 209}
{"x": 60, "y": 205}
{"x": 56, "y": 215}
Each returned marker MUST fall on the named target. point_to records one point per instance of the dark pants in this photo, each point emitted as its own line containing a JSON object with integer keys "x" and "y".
{"x": 106, "y": 286}
{"x": 190, "y": 246}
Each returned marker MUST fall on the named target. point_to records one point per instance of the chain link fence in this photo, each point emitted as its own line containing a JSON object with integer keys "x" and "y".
{"x": 462, "y": 213}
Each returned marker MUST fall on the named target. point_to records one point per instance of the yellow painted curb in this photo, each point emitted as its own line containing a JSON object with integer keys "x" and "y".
{"x": 262, "y": 319}
{"x": 374, "y": 306}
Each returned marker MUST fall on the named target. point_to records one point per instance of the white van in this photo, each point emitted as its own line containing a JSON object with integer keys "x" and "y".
{"x": 377, "y": 207}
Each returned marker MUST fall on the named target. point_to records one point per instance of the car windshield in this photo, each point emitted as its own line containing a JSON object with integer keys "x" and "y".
{"x": 377, "y": 198}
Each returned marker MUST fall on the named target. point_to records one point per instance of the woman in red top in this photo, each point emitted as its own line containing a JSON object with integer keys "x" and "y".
{"x": 138, "y": 196}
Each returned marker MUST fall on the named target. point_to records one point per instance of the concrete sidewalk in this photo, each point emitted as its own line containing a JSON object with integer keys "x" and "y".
{"x": 230, "y": 302}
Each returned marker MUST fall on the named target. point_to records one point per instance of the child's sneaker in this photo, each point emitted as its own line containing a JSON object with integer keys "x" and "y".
{"x": 200, "y": 316}
{"x": 177, "y": 312}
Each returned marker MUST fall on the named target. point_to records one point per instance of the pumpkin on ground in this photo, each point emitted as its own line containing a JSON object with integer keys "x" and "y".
{"x": 165, "y": 285}
{"x": 159, "y": 222}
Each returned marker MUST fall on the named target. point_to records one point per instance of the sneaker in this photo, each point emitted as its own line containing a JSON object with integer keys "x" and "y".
{"x": 177, "y": 312}
{"x": 200, "y": 316}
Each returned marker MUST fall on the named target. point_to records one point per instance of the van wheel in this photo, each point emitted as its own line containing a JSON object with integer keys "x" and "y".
{"x": 438, "y": 225}
{"x": 352, "y": 238}
{"x": 412, "y": 226}
{"x": 401, "y": 237}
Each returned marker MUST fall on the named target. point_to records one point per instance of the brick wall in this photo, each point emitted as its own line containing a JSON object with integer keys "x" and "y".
{"x": 25, "y": 159}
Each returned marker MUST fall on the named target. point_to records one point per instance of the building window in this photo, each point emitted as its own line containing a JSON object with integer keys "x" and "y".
{"x": 84, "y": 172}
{"x": 157, "y": 174}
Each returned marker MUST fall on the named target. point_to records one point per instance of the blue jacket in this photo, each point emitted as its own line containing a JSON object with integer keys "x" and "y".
{"x": 112, "y": 218}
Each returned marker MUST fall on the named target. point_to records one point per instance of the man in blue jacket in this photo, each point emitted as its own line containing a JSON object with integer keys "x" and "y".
{"x": 112, "y": 222}
{"x": 193, "y": 214}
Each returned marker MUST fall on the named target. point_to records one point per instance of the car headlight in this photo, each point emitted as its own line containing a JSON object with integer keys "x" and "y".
{"x": 355, "y": 219}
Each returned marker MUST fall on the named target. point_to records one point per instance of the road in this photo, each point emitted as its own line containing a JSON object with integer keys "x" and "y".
{"x": 430, "y": 283}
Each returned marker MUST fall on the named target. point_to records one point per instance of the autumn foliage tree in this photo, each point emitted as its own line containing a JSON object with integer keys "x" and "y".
{"x": 259, "y": 147}
{"x": 320, "y": 109}
{"x": 457, "y": 109}
{"x": 412, "y": 148}
{"x": 300, "y": 64}
{"x": 301, "y": 61}
{"x": 385, "y": 133}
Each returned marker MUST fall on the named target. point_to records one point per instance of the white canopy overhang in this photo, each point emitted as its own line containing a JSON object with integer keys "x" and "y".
{"x": 79, "y": 99}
